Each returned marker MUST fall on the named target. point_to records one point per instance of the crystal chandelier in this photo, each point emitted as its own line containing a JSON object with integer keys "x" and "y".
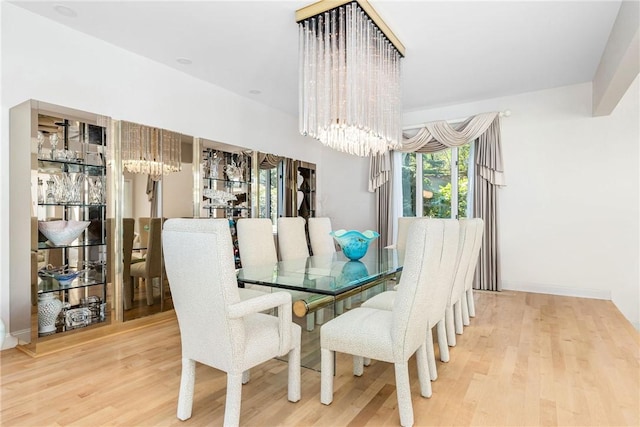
{"x": 349, "y": 77}
{"x": 150, "y": 151}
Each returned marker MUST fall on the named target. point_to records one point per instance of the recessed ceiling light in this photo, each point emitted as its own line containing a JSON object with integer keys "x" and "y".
{"x": 65, "y": 11}
{"x": 184, "y": 61}
{"x": 255, "y": 92}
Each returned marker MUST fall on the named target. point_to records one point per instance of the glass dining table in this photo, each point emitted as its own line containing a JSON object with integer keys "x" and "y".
{"x": 325, "y": 285}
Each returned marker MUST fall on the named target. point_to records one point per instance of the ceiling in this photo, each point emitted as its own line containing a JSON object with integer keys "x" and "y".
{"x": 456, "y": 51}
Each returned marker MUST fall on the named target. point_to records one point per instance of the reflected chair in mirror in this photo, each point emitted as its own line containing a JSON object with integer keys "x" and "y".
{"x": 438, "y": 298}
{"x": 143, "y": 235}
{"x": 151, "y": 266}
{"x": 393, "y": 336}
{"x": 468, "y": 304}
{"x": 292, "y": 245}
{"x": 217, "y": 328}
{"x": 127, "y": 248}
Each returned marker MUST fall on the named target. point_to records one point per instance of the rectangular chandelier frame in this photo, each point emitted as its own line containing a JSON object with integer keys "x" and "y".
{"x": 327, "y": 5}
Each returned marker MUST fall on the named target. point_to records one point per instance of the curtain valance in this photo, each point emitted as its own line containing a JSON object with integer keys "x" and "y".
{"x": 440, "y": 135}
{"x": 268, "y": 161}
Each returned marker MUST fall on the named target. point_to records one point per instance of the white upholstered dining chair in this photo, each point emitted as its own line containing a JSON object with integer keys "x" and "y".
{"x": 256, "y": 247}
{"x": 292, "y": 245}
{"x": 453, "y": 312}
{"x": 468, "y": 305}
{"x": 217, "y": 328}
{"x": 438, "y": 298}
{"x": 395, "y": 335}
{"x": 292, "y": 238}
{"x": 403, "y": 229}
{"x": 322, "y": 242}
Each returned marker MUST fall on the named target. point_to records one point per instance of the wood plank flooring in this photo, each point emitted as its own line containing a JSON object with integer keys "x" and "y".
{"x": 527, "y": 359}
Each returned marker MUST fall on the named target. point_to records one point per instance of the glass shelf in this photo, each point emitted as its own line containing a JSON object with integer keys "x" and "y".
{"x": 45, "y": 245}
{"x": 52, "y": 285}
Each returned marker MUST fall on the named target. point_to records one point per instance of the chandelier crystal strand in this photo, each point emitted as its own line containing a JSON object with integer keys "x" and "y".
{"x": 150, "y": 151}
{"x": 349, "y": 82}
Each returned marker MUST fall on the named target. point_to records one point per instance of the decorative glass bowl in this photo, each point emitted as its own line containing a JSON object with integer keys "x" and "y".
{"x": 63, "y": 275}
{"x": 62, "y": 233}
{"x": 354, "y": 243}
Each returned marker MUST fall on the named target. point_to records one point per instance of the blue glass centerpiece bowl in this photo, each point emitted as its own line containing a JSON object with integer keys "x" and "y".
{"x": 354, "y": 243}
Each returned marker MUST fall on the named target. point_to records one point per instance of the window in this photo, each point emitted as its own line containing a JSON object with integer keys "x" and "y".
{"x": 268, "y": 192}
{"x": 437, "y": 184}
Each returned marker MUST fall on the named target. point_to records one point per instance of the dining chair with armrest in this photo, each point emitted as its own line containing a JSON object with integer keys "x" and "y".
{"x": 217, "y": 328}
{"x": 395, "y": 335}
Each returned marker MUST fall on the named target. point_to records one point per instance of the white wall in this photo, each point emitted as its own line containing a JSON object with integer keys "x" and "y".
{"x": 46, "y": 61}
{"x": 569, "y": 216}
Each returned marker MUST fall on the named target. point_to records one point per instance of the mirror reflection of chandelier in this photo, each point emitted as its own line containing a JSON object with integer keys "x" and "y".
{"x": 350, "y": 95}
{"x": 150, "y": 151}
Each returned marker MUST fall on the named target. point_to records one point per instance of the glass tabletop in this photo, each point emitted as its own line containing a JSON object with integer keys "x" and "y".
{"x": 325, "y": 274}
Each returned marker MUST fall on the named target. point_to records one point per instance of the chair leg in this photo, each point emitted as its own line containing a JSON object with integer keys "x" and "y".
{"x": 457, "y": 313}
{"x": 339, "y": 307}
{"x": 148, "y": 284}
{"x": 403, "y": 390}
{"x": 347, "y": 303}
{"x": 366, "y": 361}
{"x": 442, "y": 341}
{"x": 326, "y": 376}
{"x": 449, "y": 325}
{"x": 128, "y": 292}
{"x": 464, "y": 310}
{"x": 471, "y": 303}
{"x": 234, "y": 400}
{"x": 187, "y": 382}
{"x": 294, "y": 370}
{"x": 246, "y": 376}
{"x": 319, "y": 317}
{"x": 358, "y": 365}
{"x": 423, "y": 371}
{"x": 431, "y": 356}
{"x": 311, "y": 322}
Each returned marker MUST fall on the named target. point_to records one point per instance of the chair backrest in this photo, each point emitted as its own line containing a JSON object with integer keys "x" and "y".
{"x": 466, "y": 242}
{"x": 429, "y": 261}
{"x": 255, "y": 242}
{"x": 403, "y": 229}
{"x": 201, "y": 268}
{"x": 475, "y": 252}
{"x": 153, "y": 259}
{"x": 143, "y": 232}
{"x": 321, "y": 241}
{"x": 292, "y": 239}
{"x": 128, "y": 225}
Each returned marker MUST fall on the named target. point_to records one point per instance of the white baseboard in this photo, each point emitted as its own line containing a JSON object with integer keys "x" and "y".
{"x": 12, "y": 340}
{"x": 539, "y": 288}
{"x": 9, "y": 342}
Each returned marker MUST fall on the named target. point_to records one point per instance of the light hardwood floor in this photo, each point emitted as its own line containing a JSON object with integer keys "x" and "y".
{"x": 526, "y": 359}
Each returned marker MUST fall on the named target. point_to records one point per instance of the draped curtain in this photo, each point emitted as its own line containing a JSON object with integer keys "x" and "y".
{"x": 440, "y": 135}
{"x": 290, "y": 187}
